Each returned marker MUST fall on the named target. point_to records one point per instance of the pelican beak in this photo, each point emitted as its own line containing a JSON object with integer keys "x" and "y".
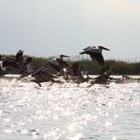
{"x": 64, "y": 56}
{"x": 104, "y": 48}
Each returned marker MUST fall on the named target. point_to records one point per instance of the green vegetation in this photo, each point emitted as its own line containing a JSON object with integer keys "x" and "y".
{"x": 118, "y": 67}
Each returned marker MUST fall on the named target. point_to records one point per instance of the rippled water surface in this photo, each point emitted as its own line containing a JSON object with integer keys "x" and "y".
{"x": 69, "y": 112}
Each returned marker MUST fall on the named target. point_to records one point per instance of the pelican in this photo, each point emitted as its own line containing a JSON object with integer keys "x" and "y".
{"x": 28, "y": 63}
{"x": 26, "y": 69}
{"x": 1, "y": 64}
{"x": 58, "y": 63}
{"x": 42, "y": 75}
{"x": 104, "y": 77}
{"x": 19, "y": 57}
{"x": 61, "y": 61}
{"x": 2, "y": 69}
{"x": 9, "y": 65}
{"x": 95, "y": 53}
{"x": 75, "y": 70}
{"x": 12, "y": 63}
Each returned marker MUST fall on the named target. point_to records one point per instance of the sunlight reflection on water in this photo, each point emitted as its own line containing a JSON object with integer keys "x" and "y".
{"x": 69, "y": 112}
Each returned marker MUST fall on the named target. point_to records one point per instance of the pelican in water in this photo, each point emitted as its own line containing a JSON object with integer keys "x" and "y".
{"x": 104, "y": 77}
{"x": 42, "y": 75}
{"x": 27, "y": 66}
{"x": 95, "y": 53}
{"x": 26, "y": 69}
{"x": 75, "y": 70}
{"x": 58, "y": 64}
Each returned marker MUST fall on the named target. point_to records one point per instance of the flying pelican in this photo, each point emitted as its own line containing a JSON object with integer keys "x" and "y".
{"x": 13, "y": 63}
{"x": 95, "y": 53}
{"x": 42, "y": 75}
{"x": 58, "y": 63}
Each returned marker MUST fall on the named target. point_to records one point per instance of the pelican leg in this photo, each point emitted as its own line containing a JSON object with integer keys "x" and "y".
{"x": 39, "y": 84}
{"x": 91, "y": 84}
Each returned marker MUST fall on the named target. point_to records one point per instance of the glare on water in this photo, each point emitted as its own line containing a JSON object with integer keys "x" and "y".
{"x": 69, "y": 112}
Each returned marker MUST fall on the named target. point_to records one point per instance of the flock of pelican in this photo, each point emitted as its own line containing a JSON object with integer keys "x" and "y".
{"x": 69, "y": 72}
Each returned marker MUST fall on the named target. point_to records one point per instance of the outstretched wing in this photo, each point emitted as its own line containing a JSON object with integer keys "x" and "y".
{"x": 89, "y": 50}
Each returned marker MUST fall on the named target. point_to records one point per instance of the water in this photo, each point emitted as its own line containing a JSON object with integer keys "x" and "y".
{"x": 69, "y": 112}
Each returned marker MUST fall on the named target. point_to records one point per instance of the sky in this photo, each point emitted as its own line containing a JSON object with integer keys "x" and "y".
{"x": 51, "y": 27}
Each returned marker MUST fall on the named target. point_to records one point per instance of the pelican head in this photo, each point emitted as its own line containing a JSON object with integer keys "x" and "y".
{"x": 20, "y": 51}
{"x": 61, "y": 56}
{"x": 103, "y": 48}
